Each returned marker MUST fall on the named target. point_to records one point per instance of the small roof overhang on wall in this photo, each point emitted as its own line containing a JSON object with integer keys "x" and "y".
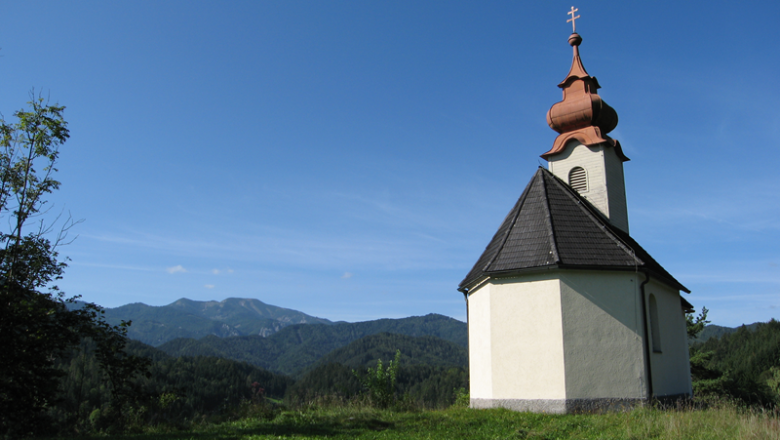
{"x": 552, "y": 227}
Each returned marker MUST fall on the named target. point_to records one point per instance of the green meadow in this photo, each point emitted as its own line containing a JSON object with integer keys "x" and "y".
{"x": 362, "y": 422}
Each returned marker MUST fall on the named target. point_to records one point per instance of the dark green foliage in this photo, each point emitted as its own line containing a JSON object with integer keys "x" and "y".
{"x": 694, "y": 326}
{"x": 379, "y": 381}
{"x": 421, "y": 385}
{"x": 37, "y": 329}
{"x": 432, "y": 387}
{"x": 773, "y": 381}
{"x": 739, "y": 364}
{"x": 324, "y": 380}
{"x": 421, "y": 350}
{"x": 195, "y": 319}
{"x": 716, "y": 331}
{"x": 295, "y": 348}
{"x": 430, "y": 370}
{"x": 176, "y": 389}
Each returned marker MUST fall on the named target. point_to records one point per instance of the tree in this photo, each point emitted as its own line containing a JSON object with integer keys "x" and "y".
{"x": 36, "y": 326}
{"x": 694, "y": 326}
{"x": 379, "y": 382}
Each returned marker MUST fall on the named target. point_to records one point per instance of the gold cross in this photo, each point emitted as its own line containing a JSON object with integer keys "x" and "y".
{"x": 573, "y": 10}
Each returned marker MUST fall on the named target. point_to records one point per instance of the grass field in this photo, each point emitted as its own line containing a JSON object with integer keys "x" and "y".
{"x": 462, "y": 423}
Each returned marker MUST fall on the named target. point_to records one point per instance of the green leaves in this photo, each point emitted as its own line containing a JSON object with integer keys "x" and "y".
{"x": 37, "y": 328}
{"x": 694, "y": 326}
{"x": 29, "y": 149}
{"x": 380, "y": 381}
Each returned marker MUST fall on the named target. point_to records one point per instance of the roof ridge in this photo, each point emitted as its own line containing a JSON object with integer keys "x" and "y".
{"x": 548, "y": 217}
{"x": 601, "y": 221}
{"x": 518, "y": 209}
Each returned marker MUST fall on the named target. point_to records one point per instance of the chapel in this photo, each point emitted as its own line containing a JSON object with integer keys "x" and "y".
{"x": 566, "y": 312}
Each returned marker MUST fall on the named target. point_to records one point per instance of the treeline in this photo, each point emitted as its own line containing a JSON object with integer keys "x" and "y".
{"x": 172, "y": 390}
{"x": 297, "y": 347}
{"x": 743, "y": 365}
{"x": 431, "y": 370}
{"x": 418, "y": 386}
{"x": 180, "y": 390}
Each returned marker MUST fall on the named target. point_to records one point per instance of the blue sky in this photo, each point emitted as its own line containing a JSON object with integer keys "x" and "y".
{"x": 352, "y": 159}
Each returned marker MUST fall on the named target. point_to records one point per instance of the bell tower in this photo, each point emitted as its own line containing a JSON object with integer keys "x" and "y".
{"x": 583, "y": 155}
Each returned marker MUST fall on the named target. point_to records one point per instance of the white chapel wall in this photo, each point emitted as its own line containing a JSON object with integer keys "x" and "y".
{"x": 480, "y": 377}
{"x": 602, "y": 332}
{"x": 671, "y": 367}
{"x": 525, "y": 339}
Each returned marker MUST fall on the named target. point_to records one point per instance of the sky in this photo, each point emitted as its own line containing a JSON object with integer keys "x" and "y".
{"x": 352, "y": 159}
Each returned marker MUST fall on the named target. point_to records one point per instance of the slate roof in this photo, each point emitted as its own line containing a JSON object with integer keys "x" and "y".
{"x": 552, "y": 226}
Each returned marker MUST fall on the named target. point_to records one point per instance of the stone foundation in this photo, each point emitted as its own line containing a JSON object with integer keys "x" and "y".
{"x": 560, "y": 406}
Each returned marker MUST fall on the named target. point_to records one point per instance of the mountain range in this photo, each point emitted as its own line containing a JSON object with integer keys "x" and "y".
{"x": 291, "y": 342}
{"x": 295, "y": 348}
{"x": 186, "y": 318}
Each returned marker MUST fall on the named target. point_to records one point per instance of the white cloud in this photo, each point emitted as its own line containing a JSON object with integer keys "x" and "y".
{"x": 215, "y": 271}
{"x": 208, "y": 286}
{"x": 176, "y": 269}
{"x": 347, "y": 275}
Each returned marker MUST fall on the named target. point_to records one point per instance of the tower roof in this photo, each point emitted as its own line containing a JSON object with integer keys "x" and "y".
{"x": 582, "y": 114}
{"x": 551, "y": 227}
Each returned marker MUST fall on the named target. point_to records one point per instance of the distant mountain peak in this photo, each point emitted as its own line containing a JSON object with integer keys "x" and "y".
{"x": 186, "y": 318}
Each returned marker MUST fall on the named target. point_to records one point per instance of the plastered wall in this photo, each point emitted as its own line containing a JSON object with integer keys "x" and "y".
{"x": 522, "y": 341}
{"x": 573, "y": 334}
{"x": 602, "y": 330}
{"x": 670, "y": 367}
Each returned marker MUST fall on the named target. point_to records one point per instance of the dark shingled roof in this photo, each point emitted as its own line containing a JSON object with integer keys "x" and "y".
{"x": 552, "y": 226}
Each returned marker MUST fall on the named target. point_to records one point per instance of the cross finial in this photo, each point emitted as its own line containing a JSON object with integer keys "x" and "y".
{"x": 573, "y": 10}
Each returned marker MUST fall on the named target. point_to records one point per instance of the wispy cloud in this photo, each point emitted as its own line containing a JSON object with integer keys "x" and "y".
{"x": 176, "y": 269}
{"x": 221, "y": 271}
{"x": 347, "y": 275}
{"x": 208, "y": 286}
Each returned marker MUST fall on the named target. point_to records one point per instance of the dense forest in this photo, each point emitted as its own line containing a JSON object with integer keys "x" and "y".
{"x": 431, "y": 371}
{"x": 295, "y": 348}
{"x": 740, "y": 366}
{"x": 743, "y": 365}
{"x": 181, "y": 388}
{"x": 173, "y": 388}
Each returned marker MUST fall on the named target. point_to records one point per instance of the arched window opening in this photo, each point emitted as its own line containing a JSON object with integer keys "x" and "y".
{"x": 578, "y": 180}
{"x": 655, "y": 328}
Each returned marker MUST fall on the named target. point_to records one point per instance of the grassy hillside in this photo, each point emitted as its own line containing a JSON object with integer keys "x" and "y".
{"x": 351, "y": 422}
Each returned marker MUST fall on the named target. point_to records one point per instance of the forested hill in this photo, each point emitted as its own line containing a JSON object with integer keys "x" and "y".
{"x": 717, "y": 331}
{"x": 742, "y": 365}
{"x": 195, "y": 319}
{"x": 296, "y": 347}
{"x": 194, "y": 385}
{"x": 431, "y": 369}
{"x": 747, "y": 352}
{"x": 415, "y": 350}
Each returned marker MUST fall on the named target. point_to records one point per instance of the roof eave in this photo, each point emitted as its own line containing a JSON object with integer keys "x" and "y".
{"x": 468, "y": 286}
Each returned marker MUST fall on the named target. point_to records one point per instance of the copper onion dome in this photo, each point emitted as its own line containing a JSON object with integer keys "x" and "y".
{"x": 582, "y": 114}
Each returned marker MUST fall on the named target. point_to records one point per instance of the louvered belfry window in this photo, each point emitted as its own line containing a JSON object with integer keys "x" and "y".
{"x": 578, "y": 180}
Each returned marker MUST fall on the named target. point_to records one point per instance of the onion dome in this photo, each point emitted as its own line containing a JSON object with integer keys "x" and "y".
{"x": 582, "y": 114}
